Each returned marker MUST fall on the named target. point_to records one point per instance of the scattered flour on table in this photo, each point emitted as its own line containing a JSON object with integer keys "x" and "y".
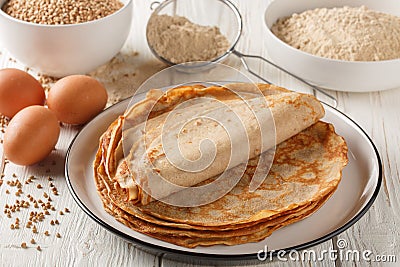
{"x": 179, "y": 40}
{"x": 124, "y": 74}
{"x": 346, "y": 33}
{"x": 121, "y": 76}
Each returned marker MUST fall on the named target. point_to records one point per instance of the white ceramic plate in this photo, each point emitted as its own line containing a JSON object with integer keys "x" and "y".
{"x": 355, "y": 194}
{"x": 341, "y": 75}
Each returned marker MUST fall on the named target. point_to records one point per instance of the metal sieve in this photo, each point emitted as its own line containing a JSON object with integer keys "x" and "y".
{"x": 208, "y": 12}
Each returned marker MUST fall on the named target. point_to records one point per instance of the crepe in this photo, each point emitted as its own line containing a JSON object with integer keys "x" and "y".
{"x": 237, "y": 126}
{"x": 306, "y": 170}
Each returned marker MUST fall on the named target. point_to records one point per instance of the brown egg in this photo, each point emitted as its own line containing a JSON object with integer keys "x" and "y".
{"x": 18, "y": 90}
{"x": 31, "y": 135}
{"x": 77, "y": 99}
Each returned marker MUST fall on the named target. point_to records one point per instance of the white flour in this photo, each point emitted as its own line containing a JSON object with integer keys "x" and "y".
{"x": 347, "y": 33}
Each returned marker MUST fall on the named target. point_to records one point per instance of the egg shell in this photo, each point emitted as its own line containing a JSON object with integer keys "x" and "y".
{"x": 18, "y": 90}
{"x": 76, "y": 99}
{"x": 31, "y": 135}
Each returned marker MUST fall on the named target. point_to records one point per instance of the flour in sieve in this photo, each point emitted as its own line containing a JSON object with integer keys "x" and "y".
{"x": 179, "y": 40}
{"x": 346, "y": 33}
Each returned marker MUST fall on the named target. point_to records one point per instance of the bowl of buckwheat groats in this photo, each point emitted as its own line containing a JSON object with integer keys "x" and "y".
{"x": 346, "y": 45}
{"x": 60, "y": 38}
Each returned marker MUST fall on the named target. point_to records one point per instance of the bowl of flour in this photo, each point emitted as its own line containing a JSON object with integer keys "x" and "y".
{"x": 344, "y": 45}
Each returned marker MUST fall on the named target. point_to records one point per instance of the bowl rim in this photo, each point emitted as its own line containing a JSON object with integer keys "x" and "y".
{"x": 315, "y": 57}
{"x": 126, "y": 4}
{"x": 198, "y": 64}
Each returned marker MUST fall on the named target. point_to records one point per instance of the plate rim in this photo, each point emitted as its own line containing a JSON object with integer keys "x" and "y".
{"x": 221, "y": 257}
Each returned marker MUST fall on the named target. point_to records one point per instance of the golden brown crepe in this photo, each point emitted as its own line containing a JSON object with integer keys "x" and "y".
{"x": 259, "y": 115}
{"x": 305, "y": 172}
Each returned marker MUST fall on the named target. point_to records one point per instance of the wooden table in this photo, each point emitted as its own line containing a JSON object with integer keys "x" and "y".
{"x": 82, "y": 242}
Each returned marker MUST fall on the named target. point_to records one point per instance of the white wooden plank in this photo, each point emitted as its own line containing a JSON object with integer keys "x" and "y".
{"x": 299, "y": 258}
{"x": 378, "y": 230}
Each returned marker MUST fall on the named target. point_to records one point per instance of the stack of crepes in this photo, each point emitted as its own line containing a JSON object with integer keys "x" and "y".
{"x": 306, "y": 169}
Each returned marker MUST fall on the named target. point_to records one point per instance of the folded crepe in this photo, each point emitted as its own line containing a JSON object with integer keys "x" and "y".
{"x": 305, "y": 172}
{"x": 239, "y": 125}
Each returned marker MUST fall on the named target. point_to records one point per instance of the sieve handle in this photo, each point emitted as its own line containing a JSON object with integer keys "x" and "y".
{"x": 154, "y": 5}
{"x": 243, "y": 57}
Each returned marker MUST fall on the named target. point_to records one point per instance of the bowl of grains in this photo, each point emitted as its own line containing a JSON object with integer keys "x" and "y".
{"x": 61, "y": 38}
{"x": 346, "y": 45}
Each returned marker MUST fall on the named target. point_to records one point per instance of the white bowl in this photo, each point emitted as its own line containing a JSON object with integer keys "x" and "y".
{"x": 61, "y": 50}
{"x": 339, "y": 75}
